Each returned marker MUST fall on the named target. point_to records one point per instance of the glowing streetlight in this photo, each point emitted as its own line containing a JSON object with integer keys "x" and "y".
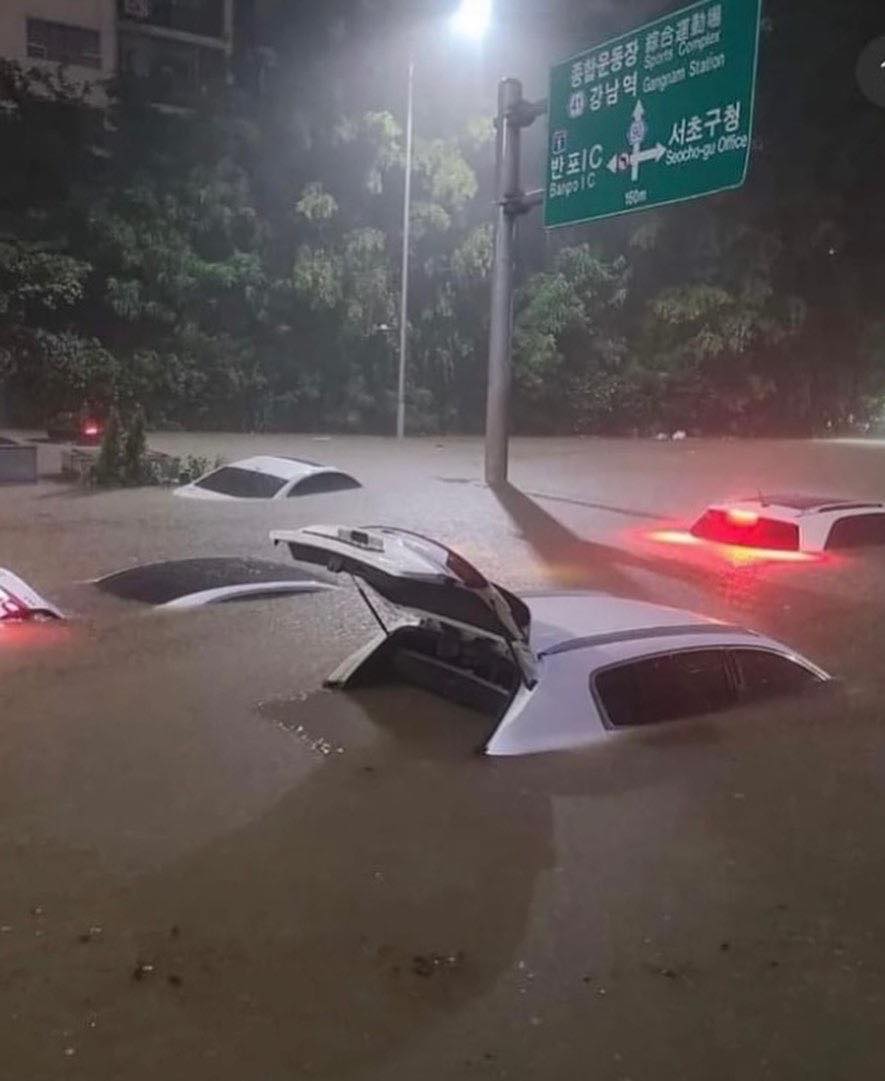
{"x": 472, "y": 18}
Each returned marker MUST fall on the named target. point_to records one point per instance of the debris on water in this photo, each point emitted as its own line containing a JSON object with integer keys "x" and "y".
{"x": 174, "y": 931}
{"x": 426, "y": 965}
{"x": 94, "y": 932}
{"x": 667, "y": 973}
{"x": 92, "y": 1020}
{"x": 174, "y": 980}
{"x": 142, "y": 970}
{"x": 37, "y": 910}
{"x": 535, "y": 1021}
{"x": 724, "y": 947}
{"x": 601, "y": 991}
{"x": 70, "y": 1052}
{"x": 5, "y": 928}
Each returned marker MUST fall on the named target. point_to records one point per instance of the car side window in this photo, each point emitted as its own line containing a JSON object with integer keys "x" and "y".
{"x": 323, "y": 482}
{"x": 665, "y": 688}
{"x": 763, "y": 674}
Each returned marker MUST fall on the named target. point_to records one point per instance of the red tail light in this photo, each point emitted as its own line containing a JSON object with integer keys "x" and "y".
{"x": 11, "y": 607}
{"x": 91, "y": 428}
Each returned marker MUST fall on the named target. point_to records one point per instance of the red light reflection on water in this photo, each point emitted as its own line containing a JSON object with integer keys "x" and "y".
{"x": 734, "y": 554}
{"x": 27, "y": 634}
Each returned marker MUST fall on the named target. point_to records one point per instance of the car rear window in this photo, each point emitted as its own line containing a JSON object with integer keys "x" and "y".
{"x": 858, "y": 531}
{"x": 244, "y": 483}
{"x": 665, "y": 688}
{"x": 716, "y": 525}
{"x": 323, "y": 482}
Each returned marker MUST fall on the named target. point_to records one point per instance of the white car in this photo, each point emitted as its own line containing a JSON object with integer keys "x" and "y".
{"x": 556, "y": 670}
{"x": 19, "y": 602}
{"x": 793, "y": 523}
{"x": 267, "y": 477}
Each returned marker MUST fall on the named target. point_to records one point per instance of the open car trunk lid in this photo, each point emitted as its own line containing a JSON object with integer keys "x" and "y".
{"x": 421, "y": 576}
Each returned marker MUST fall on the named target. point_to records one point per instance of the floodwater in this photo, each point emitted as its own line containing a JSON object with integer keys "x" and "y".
{"x": 213, "y": 869}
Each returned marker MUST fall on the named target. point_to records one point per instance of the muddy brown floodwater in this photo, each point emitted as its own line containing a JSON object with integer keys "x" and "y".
{"x": 212, "y": 869}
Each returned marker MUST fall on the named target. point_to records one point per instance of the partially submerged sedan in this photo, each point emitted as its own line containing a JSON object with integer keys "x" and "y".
{"x": 794, "y": 523}
{"x": 556, "y": 670}
{"x": 268, "y": 477}
{"x": 19, "y": 602}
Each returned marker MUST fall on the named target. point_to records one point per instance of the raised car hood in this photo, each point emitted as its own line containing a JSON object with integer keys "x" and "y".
{"x": 419, "y": 575}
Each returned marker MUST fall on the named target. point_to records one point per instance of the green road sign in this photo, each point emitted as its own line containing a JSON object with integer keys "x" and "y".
{"x": 659, "y": 115}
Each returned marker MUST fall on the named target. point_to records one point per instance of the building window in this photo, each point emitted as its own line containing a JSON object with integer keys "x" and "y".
{"x": 205, "y": 17}
{"x": 172, "y": 73}
{"x": 63, "y": 43}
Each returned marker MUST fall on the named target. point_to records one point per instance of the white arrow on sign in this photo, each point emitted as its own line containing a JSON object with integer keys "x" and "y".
{"x": 638, "y": 130}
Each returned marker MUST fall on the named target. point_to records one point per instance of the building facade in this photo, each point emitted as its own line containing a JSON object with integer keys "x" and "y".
{"x": 81, "y": 34}
{"x": 178, "y": 48}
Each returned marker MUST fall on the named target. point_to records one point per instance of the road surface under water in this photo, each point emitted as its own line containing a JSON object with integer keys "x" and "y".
{"x": 214, "y": 869}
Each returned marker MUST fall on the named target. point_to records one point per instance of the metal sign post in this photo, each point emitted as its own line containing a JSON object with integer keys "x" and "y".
{"x": 659, "y": 115}
{"x": 514, "y": 114}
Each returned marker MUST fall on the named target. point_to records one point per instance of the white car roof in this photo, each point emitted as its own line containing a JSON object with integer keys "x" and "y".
{"x": 791, "y": 507}
{"x": 564, "y": 617}
{"x": 284, "y": 468}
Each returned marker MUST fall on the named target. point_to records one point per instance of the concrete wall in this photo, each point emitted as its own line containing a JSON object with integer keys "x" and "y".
{"x": 18, "y": 464}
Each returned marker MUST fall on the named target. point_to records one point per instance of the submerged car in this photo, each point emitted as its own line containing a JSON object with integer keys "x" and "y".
{"x": 556, "y": 670}
{"x": 793, "y": 523}
{"x": 267, "y": 477}
{"x": 19, "y": 602}
{"x": 195, "y": 583}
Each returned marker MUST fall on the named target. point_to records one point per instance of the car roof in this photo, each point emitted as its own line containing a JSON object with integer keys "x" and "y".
{"x": 593, "y": 618}
{"x": 785, "y": 503}
{"x": 279, "y": 466}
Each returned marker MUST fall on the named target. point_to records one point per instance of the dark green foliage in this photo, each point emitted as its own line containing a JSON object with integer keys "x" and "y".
{"x": 134, "y": 455}
{"x": 238, "y": 266}
{"x": 109, "y": 464}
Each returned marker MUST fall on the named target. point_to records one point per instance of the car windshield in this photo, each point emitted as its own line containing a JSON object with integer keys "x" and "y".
{"x": 242, "y": 483}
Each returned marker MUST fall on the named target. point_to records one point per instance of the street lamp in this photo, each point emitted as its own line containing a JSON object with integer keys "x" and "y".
{"x": 471, "y": 20}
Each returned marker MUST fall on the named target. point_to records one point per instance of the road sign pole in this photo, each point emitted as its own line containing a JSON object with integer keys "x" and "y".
{"x": 500, "y": 327}
{"x": 514, "y": 114}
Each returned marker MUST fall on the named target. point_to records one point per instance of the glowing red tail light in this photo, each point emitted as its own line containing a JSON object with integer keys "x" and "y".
{"x": 11, "y": 607}
{"x": 91, "y": 428}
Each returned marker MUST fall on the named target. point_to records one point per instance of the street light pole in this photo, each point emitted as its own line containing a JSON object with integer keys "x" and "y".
{"x": 404, "y": 295}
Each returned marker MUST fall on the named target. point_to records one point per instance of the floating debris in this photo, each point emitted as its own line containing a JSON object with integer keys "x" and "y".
{"x": 426, "y": 965}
